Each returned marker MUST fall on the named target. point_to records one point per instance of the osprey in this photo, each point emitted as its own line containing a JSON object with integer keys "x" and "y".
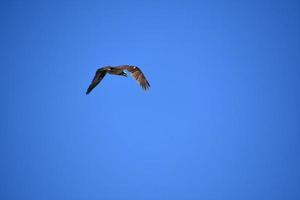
{"x": 119, "y": 70}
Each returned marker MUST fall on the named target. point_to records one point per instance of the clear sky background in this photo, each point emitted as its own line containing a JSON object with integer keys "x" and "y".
{"x": 221, "y": 120}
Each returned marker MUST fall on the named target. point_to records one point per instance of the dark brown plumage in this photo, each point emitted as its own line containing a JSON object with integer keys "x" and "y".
{"x": 119, "y": 70}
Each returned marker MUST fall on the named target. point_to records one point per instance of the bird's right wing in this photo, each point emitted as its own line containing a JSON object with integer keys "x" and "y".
{"x": 137, "y": 74}
{"x": 100, "y": 73}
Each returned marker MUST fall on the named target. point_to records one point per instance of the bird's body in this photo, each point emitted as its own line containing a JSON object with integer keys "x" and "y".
{"x": 114, "y": 71}
{"x": 119, "y": 70}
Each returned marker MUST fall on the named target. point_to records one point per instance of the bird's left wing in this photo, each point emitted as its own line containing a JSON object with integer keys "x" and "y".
{"x": 100, "y": 73}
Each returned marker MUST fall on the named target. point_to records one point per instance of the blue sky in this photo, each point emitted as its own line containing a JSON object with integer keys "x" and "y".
{"x": 221, "y": 120}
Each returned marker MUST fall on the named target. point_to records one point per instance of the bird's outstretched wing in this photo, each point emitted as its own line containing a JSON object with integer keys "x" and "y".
{"x": 100, "y": 73}
{"x": 137, "y": 74}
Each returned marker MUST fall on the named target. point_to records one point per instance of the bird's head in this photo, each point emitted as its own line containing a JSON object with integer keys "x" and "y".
{"x": 124, "y": 74}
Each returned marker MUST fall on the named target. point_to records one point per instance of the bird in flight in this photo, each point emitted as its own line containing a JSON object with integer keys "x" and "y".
{"x": 119, "y": 70}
